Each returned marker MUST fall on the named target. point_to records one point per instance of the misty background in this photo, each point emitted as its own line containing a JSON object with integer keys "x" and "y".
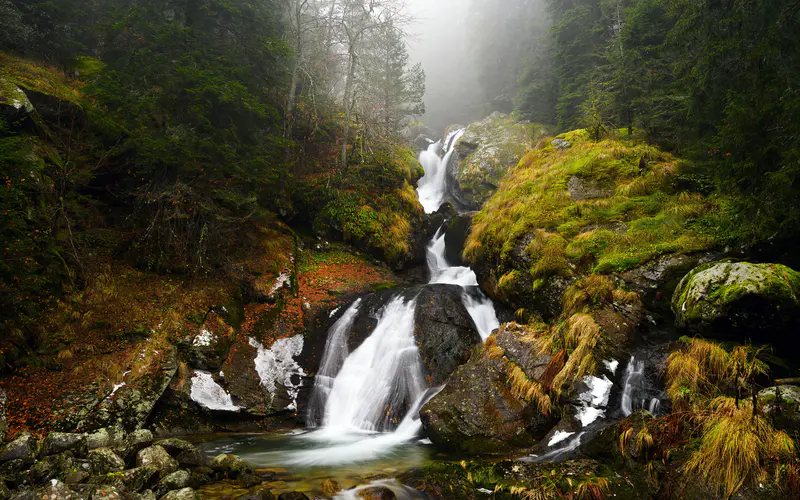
{"x": 472, "y": 52}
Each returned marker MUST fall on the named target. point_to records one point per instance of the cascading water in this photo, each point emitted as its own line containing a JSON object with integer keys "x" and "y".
{"x": 480, "y": 307}
{"x": 432, "y": 187}
{"x": 636, "y": 391}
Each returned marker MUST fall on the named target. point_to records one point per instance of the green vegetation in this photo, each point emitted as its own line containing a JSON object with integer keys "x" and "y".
{"x": 595, "y": 207}
{"x": 711, "y": 80}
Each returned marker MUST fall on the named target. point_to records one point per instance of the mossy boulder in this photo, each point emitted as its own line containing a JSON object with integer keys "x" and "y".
{"x": 230, "y": 466}
{"x": 484, "y": 154}
{"x": 59, "y": 442}
{"x": 158, "y": 458}
{"x": 598, "y": 207}
{"x": 740, "y": 300}
{"x": 104, "y": 461}
{"x": 477, "y": 412}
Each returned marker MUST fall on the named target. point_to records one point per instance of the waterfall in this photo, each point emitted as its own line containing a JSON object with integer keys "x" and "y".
{"x": 432, "y": 187}
{"x": 355, "y": 394}
{"x": 635, "y": 390}
{"x": 478, "y": 305}
{"x": 385, "y": 370}
{"x": 335, "y": 355}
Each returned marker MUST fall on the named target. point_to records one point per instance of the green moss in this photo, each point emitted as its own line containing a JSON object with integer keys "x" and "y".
{"x": 632, "y": 215}
{"x": 39, "y": 78}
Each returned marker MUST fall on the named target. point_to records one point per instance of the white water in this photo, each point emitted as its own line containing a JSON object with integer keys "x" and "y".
{"x": 479, "y": 307}
{"x": 401, "y": 492}
{"x": 336, "y": 352}
{"x": 634, "y": 374}
{"x": 432, "y": 187}
{"x": 358, "y": 390}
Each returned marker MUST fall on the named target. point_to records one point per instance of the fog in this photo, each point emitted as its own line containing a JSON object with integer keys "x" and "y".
{"x": 473, "y": 52}
{"x": 439, "y": 41}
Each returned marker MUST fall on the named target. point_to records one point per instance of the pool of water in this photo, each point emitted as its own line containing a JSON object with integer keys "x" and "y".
{"x": 303, "y": 460}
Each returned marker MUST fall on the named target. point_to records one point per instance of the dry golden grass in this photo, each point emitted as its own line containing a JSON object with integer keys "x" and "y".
{"x": 735, "y": 446}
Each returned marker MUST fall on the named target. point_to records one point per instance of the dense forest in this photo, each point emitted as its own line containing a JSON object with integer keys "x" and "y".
{"x": 558, "y": 261}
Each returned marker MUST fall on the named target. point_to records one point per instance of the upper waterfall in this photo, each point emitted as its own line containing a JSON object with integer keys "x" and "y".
{"x": 432, "y": 187}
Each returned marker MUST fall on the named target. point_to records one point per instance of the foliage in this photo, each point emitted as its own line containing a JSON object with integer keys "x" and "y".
{"x": 737, "y": 444}
{"x": 596, "y": 207}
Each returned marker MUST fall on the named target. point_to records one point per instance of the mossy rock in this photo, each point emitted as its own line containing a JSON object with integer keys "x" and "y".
{"x": 740, "y": 300}
{"x": 604, "y": 207}
{"x": 485, "y": 153}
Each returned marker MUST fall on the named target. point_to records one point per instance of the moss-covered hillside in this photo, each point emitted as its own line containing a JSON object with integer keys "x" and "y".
{"x": 574, "y": 206}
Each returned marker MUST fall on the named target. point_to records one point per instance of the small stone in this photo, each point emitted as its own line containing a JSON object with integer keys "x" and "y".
{"x": 106, "y": 493}
{"x": 184, "y": 494}
{"x": 157, "y": 457}
{"x": 104, "y": 460}
{"x": 230, "y": 465}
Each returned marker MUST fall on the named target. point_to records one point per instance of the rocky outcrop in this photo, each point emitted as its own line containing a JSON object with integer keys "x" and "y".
{"x": 740, "y": 300}
{"x": 444, "y": 331}
{"x": 477, "y": 412}
{"x": 484, "y": 154}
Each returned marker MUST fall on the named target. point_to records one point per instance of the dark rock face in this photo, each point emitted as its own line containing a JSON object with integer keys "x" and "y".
{"x": 444, "y": 331}
{"x": 657, "y": 280}
{"x": 208, "y": 349}
{"x": 456, "y": 237}
{"x": 781, "y": 405}
{"x": 3, "y": 401}
{"x": 476, "y": 412}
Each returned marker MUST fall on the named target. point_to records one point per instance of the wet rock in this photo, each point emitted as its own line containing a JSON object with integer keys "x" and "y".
{"x": 175, "y": 481}
{"x": 137, "y": 441}
{"x": 377, "y": 493}
{"x": 230, "y": 465}
{"x": 200, "y": 477}
{"x": 484, "y": 154}
{"x": 57, "y": 466}
{"x": 476, "y": 412}
{"x": 260, "y": 494}
{"x": 444, "y": 331}
{"x": 77, "y": 477}
{"x": 157, "y": 457}
{"x": 104, "y": 438}
{"x": 22, "y": 448}
{"x": 657, "y": 280}
{"x": 104, "y": 460}
{"x": 209, "y": 347}
{"x": 248, "y": 480}
{"x": 183, "y": 494}
{"x": 781, "y": 405}
{"x": 184, "y": 452}
{"x": 59, "y": 442}
{"x": 456, "y": 237}
{"x": 740, "y": 300}
{"x": 139, "y": 478}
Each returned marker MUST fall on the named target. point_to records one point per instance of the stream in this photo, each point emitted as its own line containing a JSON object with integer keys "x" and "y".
{"x": 349, "y": 436}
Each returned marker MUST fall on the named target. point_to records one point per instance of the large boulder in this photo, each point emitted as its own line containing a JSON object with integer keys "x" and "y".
{"x": 484, "y": 154}
{"x": 208, "y": 348}
{"x": 22, "y": 448}
{"x": 740, "y": 300}
{"x": 476, "y": 412}
{"x": 184, "y": 494}
{"x": 230, "y": 466}
{"x": 444, "y": 331}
